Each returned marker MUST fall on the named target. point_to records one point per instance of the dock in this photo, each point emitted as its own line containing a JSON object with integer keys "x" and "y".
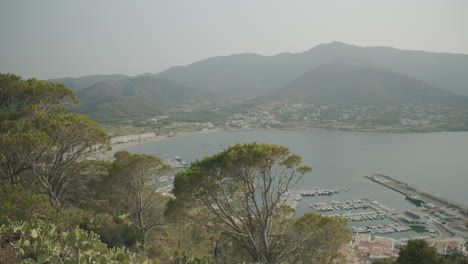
{"x": 448, "y": 214}
{"x": 426, "y": 197}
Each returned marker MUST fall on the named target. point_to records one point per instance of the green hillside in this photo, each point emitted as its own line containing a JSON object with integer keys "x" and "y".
{"x": 135, "y": 97}
{"x": 337, "y": 84}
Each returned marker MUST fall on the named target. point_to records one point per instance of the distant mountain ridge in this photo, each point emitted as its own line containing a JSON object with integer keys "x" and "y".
{"x": 355, "y": 84}
{"x": 386, "y": 75}
{"x": 251, "y": 75}
{"x": 79, "y": 83}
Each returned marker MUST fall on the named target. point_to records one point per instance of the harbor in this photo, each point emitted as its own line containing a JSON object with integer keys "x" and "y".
{"x": 447, "y": 216}
{"x": 381, "y": 229}
{"x": 363, "y": 203}
{"x": 375, "y": 217}
{"x": 416, "y": 194}
{"x": 362, "y": 216}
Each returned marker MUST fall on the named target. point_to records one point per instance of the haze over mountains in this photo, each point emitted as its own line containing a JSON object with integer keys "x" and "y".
{"x": 253, "y": 75}
{"x": 328, "y": 73}
{"x": 344, "y": 84}
{"x": 77, "y": 84}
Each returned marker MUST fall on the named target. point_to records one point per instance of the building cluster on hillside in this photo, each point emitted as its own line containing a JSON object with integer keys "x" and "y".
{"x": 363, "y": 249}
{"x": 201, "y": 124}
{"x": 348, "y": 117}
{"x": 252, "y": 119}
{"x": 132, "y": 138}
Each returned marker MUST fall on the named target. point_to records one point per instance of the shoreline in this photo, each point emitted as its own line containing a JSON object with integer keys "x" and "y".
{"x": 108, "y": 155}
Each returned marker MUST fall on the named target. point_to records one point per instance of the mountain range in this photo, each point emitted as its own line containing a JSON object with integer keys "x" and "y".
{"x": 77, "y": 84}
{"x": 135, "y": 97}
{"x": 328, "y": 73}
{"x": 253, "y": 75}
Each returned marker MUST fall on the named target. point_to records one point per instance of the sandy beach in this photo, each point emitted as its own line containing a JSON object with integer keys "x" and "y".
{"x": 118, "y": 147}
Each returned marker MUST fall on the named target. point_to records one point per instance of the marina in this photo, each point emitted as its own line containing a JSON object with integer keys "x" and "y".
{"x": 381, "y": 229}
{"x": 317, "y": 191}
{"x": 377, "y": 217}
{"x": 363, "y": 203}
{"x": 362, "y": 216}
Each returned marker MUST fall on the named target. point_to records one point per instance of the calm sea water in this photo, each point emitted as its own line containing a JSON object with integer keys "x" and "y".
{"x": 437, "y": 162}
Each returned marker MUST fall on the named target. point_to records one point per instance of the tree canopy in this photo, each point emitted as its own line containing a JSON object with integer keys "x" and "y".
{"x": 19, "y": 100}
{"x": 17, "y": 94}
{"x": 243, "y": 188}
{"x": 39, "y": 136}
{"x": 419, "y": 252}
{"x": 132, "y": 181}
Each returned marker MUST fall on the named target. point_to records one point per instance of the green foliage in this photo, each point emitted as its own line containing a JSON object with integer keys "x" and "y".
{"x": 17, "y": 136}
{"x": 182, "y": 258}
{"x": 187, "y": 234}
{"x": 17, "y": 94}
{"x": 241, "y": 189}
{"x": 419, "y": 252}
{"x": 39, "y": 242}
{"x": 383, "y": 261}
{"x": 85, "y": 191}
{"x": 38, "y": 135}
{"x": 18, "y": 204}
{"x": 321, "y": 236}
{"x": 457, "y": 258}
{"x": 59, "y": 154}
{"x": 114, "y": 231}
{"x": 132, "y": 181}
{"x": 206, "y": 176}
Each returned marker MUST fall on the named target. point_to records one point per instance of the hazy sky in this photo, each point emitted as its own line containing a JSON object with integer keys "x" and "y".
{"x": 59, "y": 38}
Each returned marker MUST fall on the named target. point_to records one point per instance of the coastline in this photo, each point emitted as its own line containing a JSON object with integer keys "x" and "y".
{"x": 108, "y": 155}
{"x": 122, "y": 146}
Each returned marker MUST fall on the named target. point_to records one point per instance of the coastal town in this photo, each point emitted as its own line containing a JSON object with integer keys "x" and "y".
{"x": 365, "y": 248}
{"x": 408, "y": 117}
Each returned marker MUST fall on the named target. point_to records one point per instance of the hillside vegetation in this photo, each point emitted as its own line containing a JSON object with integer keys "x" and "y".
{"x": 136, "y": 97}
{"x": 337, "y": 84}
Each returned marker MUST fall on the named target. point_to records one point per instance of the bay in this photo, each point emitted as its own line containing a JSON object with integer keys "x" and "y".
{"x": 437, "y": 162}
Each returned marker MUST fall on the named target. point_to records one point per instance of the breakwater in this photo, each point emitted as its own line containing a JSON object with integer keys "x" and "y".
{"x": 410, "y": 191}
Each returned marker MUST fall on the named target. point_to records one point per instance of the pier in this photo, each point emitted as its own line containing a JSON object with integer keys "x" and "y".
{"x": 451, "y": 216}
{"x": 408, "y": 189}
